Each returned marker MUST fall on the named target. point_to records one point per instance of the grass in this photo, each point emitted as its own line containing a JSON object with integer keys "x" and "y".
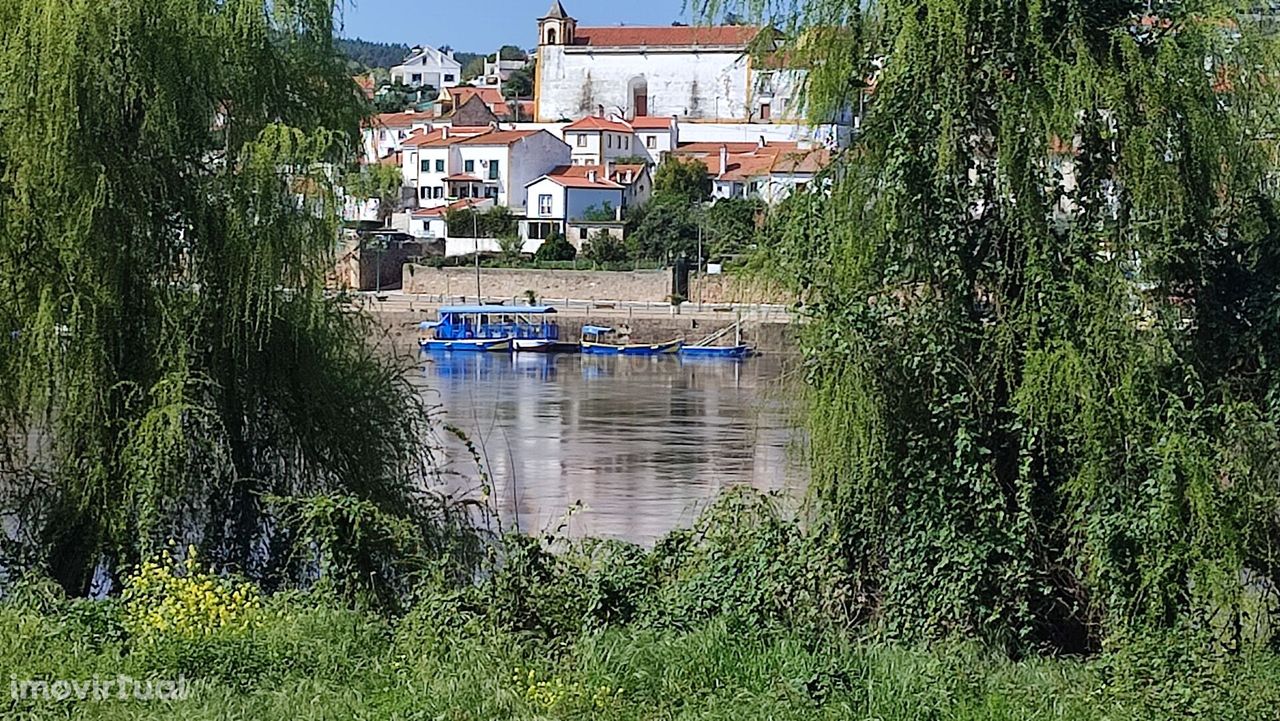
{"x": 311, "y": 660}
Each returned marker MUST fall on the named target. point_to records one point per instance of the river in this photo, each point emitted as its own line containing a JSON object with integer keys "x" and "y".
{"x": 612, "y": 447}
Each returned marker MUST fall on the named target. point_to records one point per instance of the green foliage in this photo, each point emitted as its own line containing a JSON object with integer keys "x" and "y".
{"x": 170, "y": 356}
{"x": 520, "y": 84}
{"x": 496, "y": 222}
{"x": 370, "y": 54}
{"x": 665, "y": 227}
{"x": 682, "y": 181}
{"x": 729, "y": 226}
{"x": 556, "y": 247}
{"x": 511, "y": 247}
{"x": 1042, "y": 411}
{"x": 376, "y": 182}
{"x": 603, "y": 247}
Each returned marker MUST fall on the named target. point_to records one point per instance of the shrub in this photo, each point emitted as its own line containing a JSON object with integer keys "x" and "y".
{"x": 603, "y": 247}
{"x": 557, "y": 247}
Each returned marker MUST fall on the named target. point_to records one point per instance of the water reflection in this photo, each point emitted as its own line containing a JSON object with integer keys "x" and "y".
{"x": 642, "y": 443}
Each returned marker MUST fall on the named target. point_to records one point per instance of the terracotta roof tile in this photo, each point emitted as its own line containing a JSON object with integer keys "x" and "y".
{"x": 737, "y": 36}
{"x": 594, "y": 123}
{"x": 802, "y": 161}
{"x": 500, "y": 137}
{"x": 647, "y": 122}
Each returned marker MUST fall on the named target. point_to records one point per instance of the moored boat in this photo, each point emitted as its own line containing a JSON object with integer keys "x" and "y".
{"x": 492, "y": 329}
{"x": 733, "y": 352}
{"x": 593, "y": 343}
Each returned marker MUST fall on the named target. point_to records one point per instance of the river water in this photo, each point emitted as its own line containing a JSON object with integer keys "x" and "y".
{"x": 614, "y": 447}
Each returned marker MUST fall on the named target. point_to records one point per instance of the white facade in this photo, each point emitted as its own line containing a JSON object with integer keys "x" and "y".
{"x": 428, "y": 67}
{"x": 597, "y": 147}
{"x": 385, "y": 134}
{"x": 506, "y": 166}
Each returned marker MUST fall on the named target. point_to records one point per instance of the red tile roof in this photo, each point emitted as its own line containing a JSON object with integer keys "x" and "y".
{"x": 647, "y": 122}
{"x": 463, "y": 93}
{"x": 438, "y": 139}
{"x": 500, "y": 137}
{"x": 441, "y": 211}
{"x": 744, "y": 147}
{"x": 462, "y": 178}
{"x": 802, "y": 161}
{"x": 737, "y": 36}
{"x": 401, "y": 120}
{"x": 593, "y": 123}
{"x": 576, "y": 176}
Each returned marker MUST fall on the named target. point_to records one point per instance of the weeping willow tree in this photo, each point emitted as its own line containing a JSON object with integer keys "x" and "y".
{"x": 169, "y": 363}
{"x": 1045, "y": 291}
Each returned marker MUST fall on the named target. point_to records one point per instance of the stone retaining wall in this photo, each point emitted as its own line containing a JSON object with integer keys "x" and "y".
{"x": 550, "y": 285}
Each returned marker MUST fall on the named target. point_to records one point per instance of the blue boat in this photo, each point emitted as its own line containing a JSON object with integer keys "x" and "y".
{"x": 492, "y": 329}
{"x": 593, "y": 343}
{"x": 732, "y": 352}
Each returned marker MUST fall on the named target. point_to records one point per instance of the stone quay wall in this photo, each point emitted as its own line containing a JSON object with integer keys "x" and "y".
{"x": 597, "y": 285}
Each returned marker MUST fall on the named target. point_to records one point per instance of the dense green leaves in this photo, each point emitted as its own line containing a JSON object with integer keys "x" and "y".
{"x": 1043, "y": 362}
{"x": 167, "y": 220}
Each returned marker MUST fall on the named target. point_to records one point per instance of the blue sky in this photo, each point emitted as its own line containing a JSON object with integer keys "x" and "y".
{"x": 485, "y": 25}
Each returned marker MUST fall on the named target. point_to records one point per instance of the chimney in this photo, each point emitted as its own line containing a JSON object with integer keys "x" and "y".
{"x": 763, "y": 142}
{"x": 724, "y": 159}
{"x": 591, "y": 176}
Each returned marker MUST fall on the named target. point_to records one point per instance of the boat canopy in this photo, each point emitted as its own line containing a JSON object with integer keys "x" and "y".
{"x": 497, "y": 310}
{"x": 595, "y": 329}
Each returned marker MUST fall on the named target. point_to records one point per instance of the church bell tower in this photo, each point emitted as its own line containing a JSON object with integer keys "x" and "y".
{"x": 556, "y": 28}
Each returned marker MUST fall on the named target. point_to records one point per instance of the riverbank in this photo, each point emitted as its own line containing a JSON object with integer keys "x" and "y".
{"x": 767, "y": 328}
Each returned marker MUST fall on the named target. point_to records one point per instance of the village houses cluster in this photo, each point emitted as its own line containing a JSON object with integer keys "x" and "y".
{"x": 609, "y": 105}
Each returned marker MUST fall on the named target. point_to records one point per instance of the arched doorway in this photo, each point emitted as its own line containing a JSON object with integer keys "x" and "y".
{"x": 639, "y": 96}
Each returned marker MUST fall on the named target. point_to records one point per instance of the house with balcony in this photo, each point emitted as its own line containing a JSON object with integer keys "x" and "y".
{"x": 427, "y": 67}
{"x": 452, "y": 163}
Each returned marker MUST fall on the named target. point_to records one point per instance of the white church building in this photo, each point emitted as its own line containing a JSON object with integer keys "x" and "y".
{"x": 694, "y": 73}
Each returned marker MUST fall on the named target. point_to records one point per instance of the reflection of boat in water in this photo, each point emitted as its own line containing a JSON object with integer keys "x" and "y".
{"x": 593, "y": 343}
{"x": 492, "y": 329}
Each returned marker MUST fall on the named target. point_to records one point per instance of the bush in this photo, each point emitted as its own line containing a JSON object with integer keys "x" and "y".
{"x": 604, "y": 247}
{"x": 557, "y": 247}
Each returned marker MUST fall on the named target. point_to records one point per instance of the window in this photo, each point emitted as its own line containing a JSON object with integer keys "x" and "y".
{"x": 608, "y": 140}
{"x": 416, "y": 77}
{"x": 491, "y": 192}
{"x": 541, "y": 231}
{"x": 425, "y": 165}
{"x": 650, "y": 141}
{"x": 384, "y": 135}
{"x": 423, "y": 193}
{"x": 438, "y": 192}
{"x": 448, "y": 77}
{"x": 469, "y": 166}
{"x": 582, "y": 140}
{"x": 582, "y": 233}
{"x": 439, "y": 166}
{"x": 626, "y": 142}
{"x": 766, "y": 111}
{"x": 544, "y": 205}
{"x": 493, "y": 170}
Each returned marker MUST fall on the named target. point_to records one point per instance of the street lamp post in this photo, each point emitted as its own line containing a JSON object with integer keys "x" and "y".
{"x": 475, "y": 234}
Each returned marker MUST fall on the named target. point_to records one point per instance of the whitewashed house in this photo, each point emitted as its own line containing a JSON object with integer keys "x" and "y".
{"x": 655, "y": 136}
{"x": 384, "y": 134}
{"x": 428, "y": 67}
{"x": 576, "y": 199}
{"x": 429, "y": 158}
{"x": 595, "y": 140}
{"x": 499, "y": 164}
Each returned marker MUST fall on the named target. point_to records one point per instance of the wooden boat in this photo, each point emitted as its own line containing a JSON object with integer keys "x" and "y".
{"x": 732, "y": 352}
{"x": 593, "y": 343}
{"x": 492, "y": 329}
